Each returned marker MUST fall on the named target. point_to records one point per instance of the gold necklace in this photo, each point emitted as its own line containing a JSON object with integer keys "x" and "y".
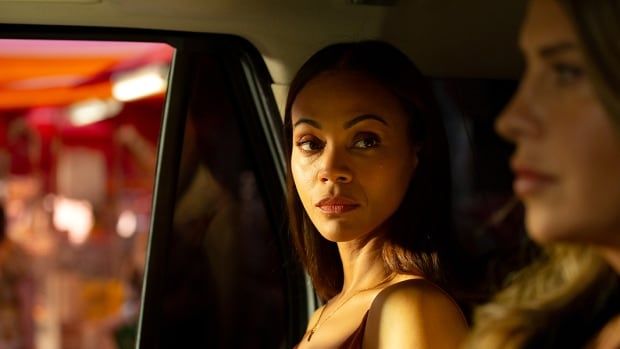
{"x": 318, "y": 321}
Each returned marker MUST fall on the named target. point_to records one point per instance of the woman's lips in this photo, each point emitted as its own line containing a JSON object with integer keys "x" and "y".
{"x": 337, "y": 205}
{"x": 528, "y": 181}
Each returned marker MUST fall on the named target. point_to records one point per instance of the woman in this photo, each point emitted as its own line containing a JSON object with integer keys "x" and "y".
{"x": 565, "y": 123}
{"x": 368, "y": 186}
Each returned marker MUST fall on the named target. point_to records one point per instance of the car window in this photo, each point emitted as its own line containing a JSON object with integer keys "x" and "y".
{"x": 187, "y": 241}
{"x": 225, "y": 277}
{"x": 220, "y": 271}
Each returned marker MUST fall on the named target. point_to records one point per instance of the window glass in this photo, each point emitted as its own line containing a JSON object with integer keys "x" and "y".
{"x": 225, "y": 280}
{"x": 79, "y": 126}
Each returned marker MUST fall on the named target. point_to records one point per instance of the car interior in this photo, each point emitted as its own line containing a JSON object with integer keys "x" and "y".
{"x": 174, "y": 231}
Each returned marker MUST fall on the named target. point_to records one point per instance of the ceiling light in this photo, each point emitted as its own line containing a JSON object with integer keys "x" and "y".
{"x": 93, "y": 110}
{"x": 140, "y": 83}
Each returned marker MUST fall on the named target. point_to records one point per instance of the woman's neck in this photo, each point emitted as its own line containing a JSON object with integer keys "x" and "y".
{"x": 362, "y": 263}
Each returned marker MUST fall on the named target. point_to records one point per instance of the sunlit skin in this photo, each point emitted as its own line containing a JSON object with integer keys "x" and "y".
{"x": 352, "y": 158}
{"x": 352, "y": 161}
{"x": 567, "y": 157}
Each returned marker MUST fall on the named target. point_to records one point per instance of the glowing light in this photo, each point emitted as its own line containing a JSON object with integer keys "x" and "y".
{"x": 140, "y": 83}
{"x": 127, "y": 224}
{"x": 75, "y": 217}
{"x": 93, "y": 110}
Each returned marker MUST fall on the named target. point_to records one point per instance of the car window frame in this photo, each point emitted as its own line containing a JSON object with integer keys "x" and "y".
{"x": 252, "y": 81}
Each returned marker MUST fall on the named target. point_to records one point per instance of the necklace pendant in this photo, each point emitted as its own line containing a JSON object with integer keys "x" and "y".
{"x": 310, "y": 334}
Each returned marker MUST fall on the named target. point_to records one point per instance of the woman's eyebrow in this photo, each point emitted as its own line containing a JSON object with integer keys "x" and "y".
{"x": 555, "y": 49}
{"x": 361, "y": 118}
{"x": 310, "y": 122}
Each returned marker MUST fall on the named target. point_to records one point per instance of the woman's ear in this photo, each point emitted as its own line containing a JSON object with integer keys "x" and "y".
{"x": 414, "y": 157}
{"x": 413, "y": 161}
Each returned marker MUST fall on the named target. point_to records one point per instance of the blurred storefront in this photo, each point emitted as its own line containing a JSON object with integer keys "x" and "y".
{"x": 79, "y": 123}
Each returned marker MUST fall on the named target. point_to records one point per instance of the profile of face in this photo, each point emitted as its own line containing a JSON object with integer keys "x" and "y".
{"x": 567, "y": 157}
{"x": 352, "y": 157}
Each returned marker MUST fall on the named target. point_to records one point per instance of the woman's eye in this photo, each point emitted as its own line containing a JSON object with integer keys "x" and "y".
{"x": 366, "y": 141}
{"x": 566, "y": 74}
{"x": 310, "y": 145}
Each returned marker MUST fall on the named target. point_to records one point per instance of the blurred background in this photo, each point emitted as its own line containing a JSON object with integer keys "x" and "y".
{"x": 79, "y": 123}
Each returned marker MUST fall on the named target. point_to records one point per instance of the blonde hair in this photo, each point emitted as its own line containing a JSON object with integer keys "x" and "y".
{"x": 566, "y": 281}
{"x": 571, "y": 286}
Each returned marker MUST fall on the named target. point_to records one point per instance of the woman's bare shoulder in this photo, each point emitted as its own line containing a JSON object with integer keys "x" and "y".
{"x": 415, "y": 291}
{"x": 315, "y": 316}
{"x": 414, "y": 313}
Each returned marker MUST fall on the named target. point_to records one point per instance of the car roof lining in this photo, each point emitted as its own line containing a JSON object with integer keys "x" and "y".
{"x": 446, "y": 38}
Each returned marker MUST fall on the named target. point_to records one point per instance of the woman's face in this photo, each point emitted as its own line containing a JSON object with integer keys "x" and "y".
{"x": 352, "y": 156}
{"x": 567, "y": 157}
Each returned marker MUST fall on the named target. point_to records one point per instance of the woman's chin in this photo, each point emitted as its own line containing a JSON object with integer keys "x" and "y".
{"x": 540, "y": 227}
{"x": 340, "y": 233}
{"x": 338, "y": 236}
{"x": 545, "y": 229}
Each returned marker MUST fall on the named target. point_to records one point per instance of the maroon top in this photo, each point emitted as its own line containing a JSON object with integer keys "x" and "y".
{"x": 355, "y": 339}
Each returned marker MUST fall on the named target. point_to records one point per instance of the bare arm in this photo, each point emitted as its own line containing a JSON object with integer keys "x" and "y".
{"x": 414, "y": 314}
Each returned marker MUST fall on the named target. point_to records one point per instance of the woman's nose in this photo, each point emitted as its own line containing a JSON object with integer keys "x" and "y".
{"x": 334, "y": 168}
{"x": 520, "y": 119}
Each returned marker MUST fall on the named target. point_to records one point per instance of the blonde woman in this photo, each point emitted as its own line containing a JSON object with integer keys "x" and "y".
{"x": 565, "y": 123}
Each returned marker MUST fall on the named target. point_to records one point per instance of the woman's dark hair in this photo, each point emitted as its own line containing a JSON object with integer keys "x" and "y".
{"x": 420, "y": 228}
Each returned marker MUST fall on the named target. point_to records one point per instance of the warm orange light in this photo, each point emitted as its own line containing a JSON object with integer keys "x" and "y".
{"x": 12, "y": 99}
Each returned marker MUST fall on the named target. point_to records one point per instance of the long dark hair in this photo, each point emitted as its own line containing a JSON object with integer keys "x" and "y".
{"x": 420, "y": 228}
